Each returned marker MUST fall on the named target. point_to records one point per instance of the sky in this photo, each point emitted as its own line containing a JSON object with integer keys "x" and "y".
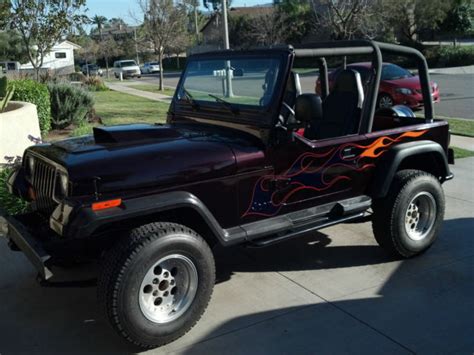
{"x": 122, "y": 8}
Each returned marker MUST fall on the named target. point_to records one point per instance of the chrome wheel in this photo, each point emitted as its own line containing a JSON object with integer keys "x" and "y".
{"x": 168, "y": 288}
{"x": 420, "y": 216}
{"x": 385, "y": 101}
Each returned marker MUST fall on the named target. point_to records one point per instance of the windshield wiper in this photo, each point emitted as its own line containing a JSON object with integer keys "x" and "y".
{"x": 227, "y": 104}
{"x": 189, "y": 98}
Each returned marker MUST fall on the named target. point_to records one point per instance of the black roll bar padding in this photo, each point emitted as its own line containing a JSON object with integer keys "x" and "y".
{"x": 323, "y": 77}
{"x": 422, "y": 72}
{"x": 341, "y": 48}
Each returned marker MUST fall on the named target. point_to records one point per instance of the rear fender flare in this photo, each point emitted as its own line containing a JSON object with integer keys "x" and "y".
{"x": 390, "y": 162}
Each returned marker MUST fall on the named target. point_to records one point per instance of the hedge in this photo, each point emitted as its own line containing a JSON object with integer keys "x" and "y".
{"x": 36, "y": 93}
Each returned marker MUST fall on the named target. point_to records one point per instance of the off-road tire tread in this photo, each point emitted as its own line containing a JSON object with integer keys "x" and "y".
{"x": 116, "y": 261}
{"x": 384, "y": 220}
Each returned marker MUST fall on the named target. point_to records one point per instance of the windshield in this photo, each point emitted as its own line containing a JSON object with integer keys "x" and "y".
{"x": 128, "y": 63}
{"x": 239, "y": 81}
{"x": 393, "y": 72}
{"x": 154, "y": 63}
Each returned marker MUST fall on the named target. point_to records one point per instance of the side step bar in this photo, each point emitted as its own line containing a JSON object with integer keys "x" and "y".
{"x": 263, "y": 242}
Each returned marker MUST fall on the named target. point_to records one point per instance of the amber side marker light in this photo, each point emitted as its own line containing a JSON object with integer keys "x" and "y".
{"x": 103, "y": 205}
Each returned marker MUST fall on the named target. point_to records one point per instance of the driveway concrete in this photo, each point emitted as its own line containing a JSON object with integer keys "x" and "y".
{"x": 330, "y": 292}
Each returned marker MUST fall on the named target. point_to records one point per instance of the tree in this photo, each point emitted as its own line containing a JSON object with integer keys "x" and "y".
{"x": 99, "y": 22}
{"x": 163, "y": 20}
{"x": 215, "y": 5}
{"x": 4, "y": 12}
{"x": 347, "y": 19}
{"x": 411, "y": 17}
{"x": 42, "y": 23}
{"x": 268, "y": 28}
{"x": 297, "y": 18}
{"x": 11, "y": 46}
{"x": 458, "y": 18}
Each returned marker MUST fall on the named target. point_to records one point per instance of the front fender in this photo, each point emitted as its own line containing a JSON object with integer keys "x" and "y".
{"x": 84, "y": 222}
{"x": 389, "y": 164}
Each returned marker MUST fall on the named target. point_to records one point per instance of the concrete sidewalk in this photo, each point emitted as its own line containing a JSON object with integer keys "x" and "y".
{"x": 469, "y": 69}
{"x": 330, "y": 292}
{"x": 145, "y": 94}
{"x": 462, "y": 142}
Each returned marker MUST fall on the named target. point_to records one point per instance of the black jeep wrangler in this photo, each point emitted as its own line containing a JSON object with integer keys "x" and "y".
{"x": 244, "y": 158}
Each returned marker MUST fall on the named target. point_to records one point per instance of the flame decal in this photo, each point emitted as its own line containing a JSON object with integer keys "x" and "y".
{"x": 308, "y": 172}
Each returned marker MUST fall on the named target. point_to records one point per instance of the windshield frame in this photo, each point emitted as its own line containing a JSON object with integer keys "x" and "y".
{"x": 263, "y": 116}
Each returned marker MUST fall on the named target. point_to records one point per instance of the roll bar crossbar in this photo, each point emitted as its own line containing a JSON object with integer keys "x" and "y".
{"x": 321, "y": 50}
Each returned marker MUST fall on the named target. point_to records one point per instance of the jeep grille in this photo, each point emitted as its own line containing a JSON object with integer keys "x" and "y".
{"x": 43, "y": 180}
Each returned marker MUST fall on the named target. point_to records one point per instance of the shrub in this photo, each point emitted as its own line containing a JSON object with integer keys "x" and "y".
{"x": 450, "y": 56}
{"x": 94, "y": 83}
{"x": 9, "y": 202}
{"x": 78, "y": 76}
{"x": 69, "y": 105}
{"x": 82, "y": 130}
{"x": 36, "y": 93}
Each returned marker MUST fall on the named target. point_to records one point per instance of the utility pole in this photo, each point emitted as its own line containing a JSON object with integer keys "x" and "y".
{"x": 196, "y": 21}
{"x": 228, "y": 70}
{"x": 136, "y": 44}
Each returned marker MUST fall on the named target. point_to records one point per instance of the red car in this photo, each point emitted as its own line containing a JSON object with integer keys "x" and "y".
{"x": 397, "y": 85}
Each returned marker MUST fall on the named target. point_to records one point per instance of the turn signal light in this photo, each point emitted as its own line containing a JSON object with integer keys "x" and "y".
{"x": 103, "y": 205}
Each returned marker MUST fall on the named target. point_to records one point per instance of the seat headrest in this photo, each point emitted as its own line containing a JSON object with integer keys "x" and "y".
{"x": 349, "y": 80}
{"x": 308, "y": 107}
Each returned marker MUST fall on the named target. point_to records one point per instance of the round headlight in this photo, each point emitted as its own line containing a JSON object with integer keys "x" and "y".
{"x": 62, "y": 185}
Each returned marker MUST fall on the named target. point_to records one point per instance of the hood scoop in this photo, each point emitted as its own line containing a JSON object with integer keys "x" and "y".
{"x": 134, "y": 133}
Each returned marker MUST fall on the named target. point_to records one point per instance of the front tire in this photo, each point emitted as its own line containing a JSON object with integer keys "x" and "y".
{"x": 407, "y": 221}
{"x": 156, "y": 283}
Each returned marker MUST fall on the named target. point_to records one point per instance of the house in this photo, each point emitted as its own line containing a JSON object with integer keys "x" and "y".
{"x": 59, "y": 60}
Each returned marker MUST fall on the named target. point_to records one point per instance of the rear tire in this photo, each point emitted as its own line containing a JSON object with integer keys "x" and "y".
{"x": 407, "y": 221}
{"x": 156, "y": 283}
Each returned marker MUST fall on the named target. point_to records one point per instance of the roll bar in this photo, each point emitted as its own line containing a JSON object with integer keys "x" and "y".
{"x": 357, "y": 47}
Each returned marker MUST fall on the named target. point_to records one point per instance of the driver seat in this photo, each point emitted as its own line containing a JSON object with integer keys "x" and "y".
{"x": 341, "y": 109}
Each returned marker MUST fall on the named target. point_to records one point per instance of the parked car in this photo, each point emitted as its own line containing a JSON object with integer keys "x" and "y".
{"x": 150, "y": 67}
{"x": 128, "y": 68}
{"x": 92, "y": 70}
{"x": 243, "y": 160}
{"x": 398, "y": 86}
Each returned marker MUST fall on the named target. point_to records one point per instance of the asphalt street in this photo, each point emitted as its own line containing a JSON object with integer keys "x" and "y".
{"x": 457, "y": 91}
{"x": 330, "y": 292}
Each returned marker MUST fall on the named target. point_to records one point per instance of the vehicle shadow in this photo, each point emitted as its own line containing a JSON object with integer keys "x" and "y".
{"x": 52, "y": 320}
{"x": 423, "y": 306}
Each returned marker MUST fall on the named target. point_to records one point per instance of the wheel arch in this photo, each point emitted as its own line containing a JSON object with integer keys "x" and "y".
{"x": 423, "y": 155}
{"x": 178, "y": 206}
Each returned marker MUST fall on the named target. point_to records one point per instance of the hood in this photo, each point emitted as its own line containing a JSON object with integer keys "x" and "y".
{"x": 138, "y": 156}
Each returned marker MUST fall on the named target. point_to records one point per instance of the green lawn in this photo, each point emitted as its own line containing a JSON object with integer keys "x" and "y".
{"x": 117, "y": 108}
{"x": 153, "y": 88}
{"x": 460, "y": 126}
{"x": 462, "y": 153}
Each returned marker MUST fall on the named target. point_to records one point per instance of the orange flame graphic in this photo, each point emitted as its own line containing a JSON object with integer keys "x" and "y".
{"x": 385, "y": 142}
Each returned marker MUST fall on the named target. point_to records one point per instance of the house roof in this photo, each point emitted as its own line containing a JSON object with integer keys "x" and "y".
{"x": 67, "y": 43}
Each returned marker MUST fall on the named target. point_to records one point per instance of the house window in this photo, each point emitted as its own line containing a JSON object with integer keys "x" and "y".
{"x": 60, "y": 55}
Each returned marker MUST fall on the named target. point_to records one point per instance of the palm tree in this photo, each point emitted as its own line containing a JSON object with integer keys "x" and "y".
{"x": 100, "y": 21}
